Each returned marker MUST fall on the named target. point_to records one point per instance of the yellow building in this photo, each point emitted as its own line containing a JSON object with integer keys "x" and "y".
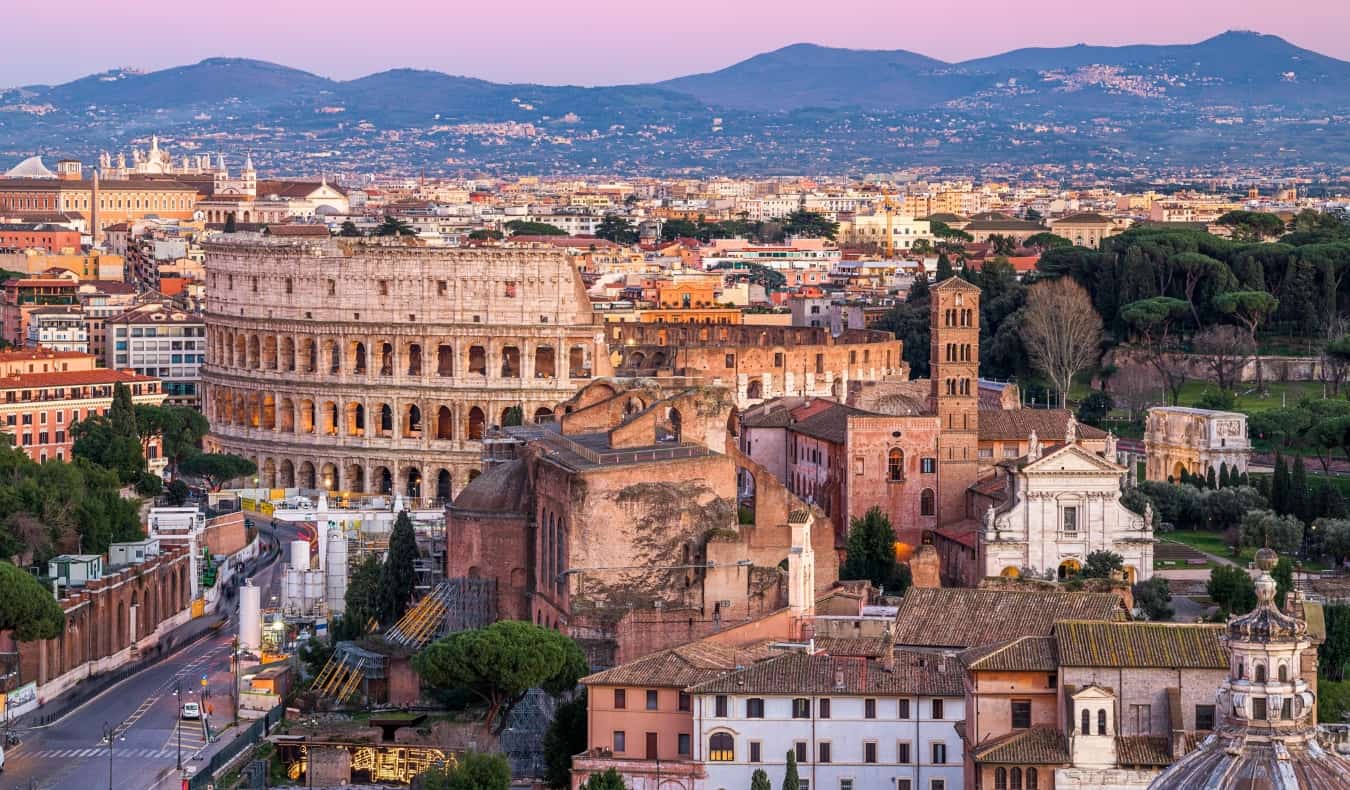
{"x": 87, "y": 266}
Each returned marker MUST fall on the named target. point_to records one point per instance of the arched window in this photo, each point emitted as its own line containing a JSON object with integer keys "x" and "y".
{"x": 895, "y": 465}
{"x": 1086, "y": 728}
{"x": 1260, "y": 673}
{"x": 1031, "y": 779}
{"x": 1000, "y": 778}
{"x": 721, "y": 748}
{"x": 927, "y": 503}
{"x": 1015, "y": 779}
{"x": 1101, "y": 722}
{"x": 1284, "y": 673}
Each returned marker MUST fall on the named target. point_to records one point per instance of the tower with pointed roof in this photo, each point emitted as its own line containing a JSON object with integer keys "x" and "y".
{"x": 955, "y": 374}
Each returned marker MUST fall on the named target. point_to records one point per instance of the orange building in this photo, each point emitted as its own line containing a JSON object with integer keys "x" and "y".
{"x": 42, "y": 393}
{"x": 23, "y": 296}
{"x": 103, "y": 203}
{"x": 33, "y": 235}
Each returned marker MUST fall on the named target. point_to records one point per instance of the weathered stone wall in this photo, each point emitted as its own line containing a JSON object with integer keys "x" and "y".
{"x": 1148, "y": 687}
{"x": 871, "y": 439}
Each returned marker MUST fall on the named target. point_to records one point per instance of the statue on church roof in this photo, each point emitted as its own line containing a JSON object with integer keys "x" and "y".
{"x": 1071, "y": 430}
{"x": 1033, "y": 446}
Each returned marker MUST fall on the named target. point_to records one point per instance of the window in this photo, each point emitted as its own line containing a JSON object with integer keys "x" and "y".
{"x": 1031, "y": 779}
{"x": 928, "y": 466}
{"x": 824, "y": 752}
{"x": 845, "y": 784}
{"x": 1143, "y": 719}
{"x": 721, "y": 748}
{"x": 927, "y": 503}
{"x": 1260, "y": 673}
{"x": 1101, "y": 722}
{"x": 619, "y": 742}
{"x": 904, "y": 709}
{"x": 1284, "y": 668}
{"x": 904, "y": 784}
{"x": 684, "y": 741}
{"x": 1287, "y": 708}
{"x": 1204, "y": 717}
{"x": 754, "y": 751}
{"x": 800, "y": 748}
{"x": 1070, "y": 519}
{"x": 902, "y": 755}
{"x": 869, "y": 709}
{"x": 823, "y": 708}
{"x": 801, "y": 708}
{"x": 869, "y": 751}
{"x": 1015, "y": 779}
{"x": 620, "y": 699}
{"x": 720, "y": 705}
{"x": 937, "y": 709}
{"x": 1051, "y": 681}
{"x": 754, "y": 708}
{"x": 684, "y": 700}
{"x": 939, "y": 753}
{"x": 1000, "y": 778}
{"x": 1085, "y": 722}
{"x": 895, "y": 465}
{"x": 1259, "y": 709}
{"x": 651, "y": 699}
{"x": 1021, "y": 714}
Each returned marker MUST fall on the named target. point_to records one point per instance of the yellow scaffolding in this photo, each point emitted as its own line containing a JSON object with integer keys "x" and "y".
{"x": 420, "y": 624}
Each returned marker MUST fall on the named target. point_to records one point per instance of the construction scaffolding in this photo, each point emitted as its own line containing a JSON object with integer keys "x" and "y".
{"x": 452, "y": 605}
{"x": 347, "y": 670}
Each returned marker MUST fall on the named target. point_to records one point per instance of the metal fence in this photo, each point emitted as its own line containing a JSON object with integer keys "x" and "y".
{"x": 255, "y": 732}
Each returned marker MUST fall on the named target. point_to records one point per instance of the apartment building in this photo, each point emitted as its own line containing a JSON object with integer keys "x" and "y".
{"x": 159, "y": 340}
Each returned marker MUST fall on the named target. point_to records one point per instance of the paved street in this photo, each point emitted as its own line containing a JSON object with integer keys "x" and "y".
{"x": 143, "y": 709}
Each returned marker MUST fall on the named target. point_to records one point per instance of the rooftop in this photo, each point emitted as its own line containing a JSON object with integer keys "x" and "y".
{"x": 961, "y": 618}
{"x": 799, "y": 673}
{"x": 1141, "y": 645}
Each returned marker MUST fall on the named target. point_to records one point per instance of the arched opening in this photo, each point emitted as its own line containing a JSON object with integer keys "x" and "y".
{"x": 1015, "y": 779}
{"x": 413, "y": 486}
{"x": 307, "y": 419}
{"x": 1000, "y": 778}
{"x": 754, "y": 390}
{"x": 544, "y": 363}
{"x": 307, "y": 475}
{"x": 333, "y": 353}
{"x": 330, "y": 418}
{"x": 1069, "y": 568}
{"x": 1131, "y": 575}
{"x": 669, "y": 429}
{"x": 1177, "y": 469}
{"x": 895, "y": 465}
{"x": 510, "y": 362}
{"x": 287, "y": 354}
{"x": 721, "y": 748}
{"x": 240, "y": 356}
{"x": 1032, "y": 779}
{"x": 385, "y": 427}
{"x": 358, "y": 358}
{"x": 634, "y": 405}
{"x": 328, "y": 477}
{"x": 745, "y": 496}
{"x": 658, "y": 360}
{"x": 412, "y": 422}
{"x": 445, "y": 360}
{"x": 287, "y": 474}
{"x": 383, "y": 480}
{"x": 443, "y": 492}
{"x": 445, "y": 426}
{"x": 543, "y": 415}
{"x": 1085, "y": 722}
{"x": 1101, "y": 722}
{"x": 121, "y": 635}
{"x": 356, "y": 479}
{"x": 1260, "y": 673}
{"x": 386, "y": 359}
{"x": 476, "y": 422}
{"x": 578, "y": 363}
{"x": 253, "y": 352}
{"x": 309, "y": 355}
{"x": 414, "y": 359}
{"x": 477, "y": 360}
{"x": 269, "y": 359}
{"x": 1010, "y": 572}
{"x": 286, "y": 415}
{"x": 269, "y": 412}
{"x": 1284, "y": 673}
{"x": 269, "y": 473}
{"x": 356, "y": 419}
{"x": 927, "y": 502}
{"x": 636, "y": 359}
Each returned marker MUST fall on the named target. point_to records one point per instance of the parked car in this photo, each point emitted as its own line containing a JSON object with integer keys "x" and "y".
{"x": 192, "y": 710}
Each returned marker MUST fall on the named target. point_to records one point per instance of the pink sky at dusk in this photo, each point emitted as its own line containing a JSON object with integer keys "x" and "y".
{"x": 602, "y": 41}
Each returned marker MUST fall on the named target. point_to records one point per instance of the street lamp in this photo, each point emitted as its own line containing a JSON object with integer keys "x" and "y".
{"x": 178, "y": 692}
{"x": 108, "y": 734}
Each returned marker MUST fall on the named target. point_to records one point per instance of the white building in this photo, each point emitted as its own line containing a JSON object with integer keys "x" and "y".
{"x": 853, "y": 723}
{"x": 1062, "y": 504}
{"x": 58, "y": 328}
{"x": 160, "y": 341}
{"x": 870, "y": 229}
{"x": 179, "y": 526}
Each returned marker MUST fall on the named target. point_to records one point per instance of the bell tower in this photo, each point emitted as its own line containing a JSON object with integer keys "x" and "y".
{"x": 955, "y": 374}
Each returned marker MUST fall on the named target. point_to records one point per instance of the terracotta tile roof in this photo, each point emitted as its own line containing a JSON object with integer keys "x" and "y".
{"x": 1142, "y": 750}
{"x": 867, "y": 647}
{"x": 1084, "y": 218}
{"x": 960, "y": 617}
{"x": 798, "y": 673}
{"x": 71, "y": 378}
{"x": 680, "y": 667}
{"x": 830, "y": 425}
{"x": 1035, "y": 746}
{"x": 1049, "y": 424}
{"x": 966, "y": 533}
{"x": 1024, "y": 654}
{"x": 771, "y": 416}
{"x": 1170, "y": 645}
{"x": 25, "y": 354}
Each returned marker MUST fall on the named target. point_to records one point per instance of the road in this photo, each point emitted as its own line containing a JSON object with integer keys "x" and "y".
{"x": 72, "y": 753}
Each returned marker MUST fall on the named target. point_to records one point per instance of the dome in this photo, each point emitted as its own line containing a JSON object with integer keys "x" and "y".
{"x": 1232, "y": 760}
{"x": 31, "y": 167}
{"x": 500, "y": 489}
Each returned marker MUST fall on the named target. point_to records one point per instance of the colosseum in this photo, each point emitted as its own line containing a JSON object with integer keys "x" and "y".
{"x": 375, "y": 366}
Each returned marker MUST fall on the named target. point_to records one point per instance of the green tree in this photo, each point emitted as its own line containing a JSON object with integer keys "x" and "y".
{"x": 790, "y": 779}
{"x": 1252, "y": 225}
{"x": 500, "y": 663}
{"x": 1101, "y": 564}
{"x": 944, "y": 268}
{"x": 1279, "y": 486}
{"x": 395, "y": 226}
{"x": 1094, "y": 408}
{"x": 217, "y": 468}
{"x": 112, "y": 440}
{"x": 616, "y": 229}
{"x": 521, "y": 227}
{"x": 760, "y": 780}
{"x": 1284, "y": 534}
{"x": 1153, "y": 597}
{"x": 1283, "y": 574}
{"x": 176, "y": 493}
{"x": 362, "y": 602}
{"x": 1333, "y": 655}
{"x": 1232, "y": 589}
{"x": 871, "y": 553}
{"x": 1046, "y": 241}
{"x": 514, "y": 415}
{"x": 472, "y": 771}
{"x": 1250, "y": 309}
{"x": 1298, "y": 490}
{"x": 349, "y": 230}
{"x": 1156, "y": 323}
{"x": 566, "y": 736}
{"x": 229, "y": 223}
{"x": 609, "y": 780}
{"x": 485, "y": 234}
{"x": 179, "y": 428}
{"x": 1335, "y": 541}
{"x": 810, "y": 225}
{"x": 397, "y": 575}
{"x": 26, "y": 607}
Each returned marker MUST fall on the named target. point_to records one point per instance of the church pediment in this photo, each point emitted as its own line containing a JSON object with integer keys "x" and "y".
{"x": 1071, "y": 458}
{"x": 1093, "y": 692}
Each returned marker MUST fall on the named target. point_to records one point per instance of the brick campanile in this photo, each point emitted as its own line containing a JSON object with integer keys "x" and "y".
{"x": 955, "y": 373}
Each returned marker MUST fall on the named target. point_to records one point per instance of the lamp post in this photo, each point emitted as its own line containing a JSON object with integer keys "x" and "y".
{"x": 178, "y": 726}
{"x": 234, "y": 695}
{"x": 108, "y": 734}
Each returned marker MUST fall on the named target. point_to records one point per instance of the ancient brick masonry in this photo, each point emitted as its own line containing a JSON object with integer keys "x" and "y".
{"x": 376, "y": 367}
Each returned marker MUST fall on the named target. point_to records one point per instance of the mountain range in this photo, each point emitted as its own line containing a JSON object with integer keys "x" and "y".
{"x": 1238, "y": 96}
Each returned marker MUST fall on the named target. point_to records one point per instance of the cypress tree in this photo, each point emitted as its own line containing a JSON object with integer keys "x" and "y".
{"x": 1246, "y": 479}
{"x": 397, "y": 576}
{"x": 1211, "y": 480}
{"x": 944, "y": 267}
{"x": 1279, "y": 486}
{"x": 1298, "y": 491}
{"x": 790, "y": 780}
{"x": 1224, "y": 480}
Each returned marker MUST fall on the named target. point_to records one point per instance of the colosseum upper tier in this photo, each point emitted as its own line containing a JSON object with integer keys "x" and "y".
{"x": 375, "y": 366}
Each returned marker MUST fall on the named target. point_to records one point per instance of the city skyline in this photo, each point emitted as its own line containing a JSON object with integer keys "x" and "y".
{"x": 601, "y": 43}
